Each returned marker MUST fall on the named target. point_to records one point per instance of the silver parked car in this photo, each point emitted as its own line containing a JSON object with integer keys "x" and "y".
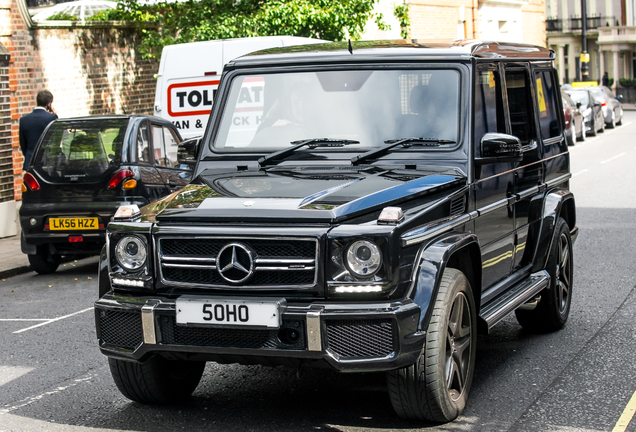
{"x": 612, "y": 108}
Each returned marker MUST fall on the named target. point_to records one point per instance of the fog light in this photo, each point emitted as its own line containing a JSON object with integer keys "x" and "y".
{"x": 358, "y": 289}
{"x": 33, "y": 222}
{"x": 128, "y": 282}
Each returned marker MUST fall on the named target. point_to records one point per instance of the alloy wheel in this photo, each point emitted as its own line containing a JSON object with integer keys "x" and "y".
{"x": 458, "y": 340}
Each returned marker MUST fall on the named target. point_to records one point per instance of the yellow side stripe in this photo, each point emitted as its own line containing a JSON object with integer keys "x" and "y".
{"x": 627, "y": 415}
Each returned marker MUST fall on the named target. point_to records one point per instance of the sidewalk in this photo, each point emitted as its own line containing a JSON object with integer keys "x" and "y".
{"x": 12, "y": 260}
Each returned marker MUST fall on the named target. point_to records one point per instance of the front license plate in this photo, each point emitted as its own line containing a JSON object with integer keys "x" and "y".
{"x": 244, "y": 312}
{"x": 74, "y": 223}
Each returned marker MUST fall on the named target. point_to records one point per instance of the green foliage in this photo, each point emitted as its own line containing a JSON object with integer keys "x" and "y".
{"x": 192, "y": 21}
{"x": 610, "y": 82}
{"x": 401, "y": 12}
{"x": 62, "y": 17}
{"x": 627, "y": 82}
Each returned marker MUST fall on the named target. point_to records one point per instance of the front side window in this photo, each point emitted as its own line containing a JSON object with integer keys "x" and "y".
{"x": 489, "y": 115}
{"x": 158, "y": 146}
{"x": 143, "y": 144}
{"x": 269, "y": 111}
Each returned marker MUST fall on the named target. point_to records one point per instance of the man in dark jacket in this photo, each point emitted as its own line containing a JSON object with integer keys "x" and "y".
{"x": 32, "y": 125}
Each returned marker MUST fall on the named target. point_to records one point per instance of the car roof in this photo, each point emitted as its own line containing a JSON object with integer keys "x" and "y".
{"x": 465, "y": 49}
{"x": 155, "y": 119}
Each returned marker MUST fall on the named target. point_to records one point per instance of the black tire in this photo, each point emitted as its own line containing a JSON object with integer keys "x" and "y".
{"x": 436, "y": 387}
{"x": 553, "y": 310}
{"x": 44, "y": 262}
{"x": 619, "y": 122}
{"x": 593, "y": 131}
{"x": 602, "y": 130}
{"x": 157, "y": 381}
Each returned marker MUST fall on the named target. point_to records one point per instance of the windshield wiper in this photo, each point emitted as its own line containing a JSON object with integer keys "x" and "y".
{"x": 278, "y": 156}
{"x": 404, "y": 142}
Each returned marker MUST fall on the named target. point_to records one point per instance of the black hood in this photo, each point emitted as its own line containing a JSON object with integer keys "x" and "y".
{"x": 308, "y": 194}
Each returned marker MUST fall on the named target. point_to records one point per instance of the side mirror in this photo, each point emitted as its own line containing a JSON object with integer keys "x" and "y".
{"x": 578, "y": 104}
{"x": 619, "y": 97}
{"x": 498, "y": 147}
{"x": 188, "y": 150}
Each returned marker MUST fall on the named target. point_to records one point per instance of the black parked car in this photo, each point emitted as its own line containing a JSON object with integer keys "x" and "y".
{"x": 591, "y": 108}
{"x": 85, "y": 168}
{"x": 366, "y": 207}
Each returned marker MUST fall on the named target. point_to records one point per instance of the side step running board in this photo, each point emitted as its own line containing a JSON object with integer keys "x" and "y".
{"x": 496, "y": 309}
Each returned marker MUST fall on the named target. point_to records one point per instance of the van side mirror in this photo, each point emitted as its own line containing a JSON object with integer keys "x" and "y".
{"x": 498, "y": 147}
{"x": 188, "y": 150}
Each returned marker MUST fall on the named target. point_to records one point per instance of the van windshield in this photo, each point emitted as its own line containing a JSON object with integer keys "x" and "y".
{"x": 268, "y": 111}
{"x": 80, "y": 150}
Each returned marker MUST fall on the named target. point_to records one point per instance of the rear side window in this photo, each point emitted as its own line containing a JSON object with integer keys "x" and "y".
{"x": 80, "y": 150}
{"x": 546, "y": 93}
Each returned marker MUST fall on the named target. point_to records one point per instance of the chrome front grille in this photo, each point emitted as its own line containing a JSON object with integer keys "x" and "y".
{"x": 247, "y": 262}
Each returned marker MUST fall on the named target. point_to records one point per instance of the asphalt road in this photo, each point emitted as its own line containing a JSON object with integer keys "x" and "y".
{"x": 53, "y": 378}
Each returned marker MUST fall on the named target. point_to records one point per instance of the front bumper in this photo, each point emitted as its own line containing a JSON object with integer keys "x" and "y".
{"x": 361, "y": 337}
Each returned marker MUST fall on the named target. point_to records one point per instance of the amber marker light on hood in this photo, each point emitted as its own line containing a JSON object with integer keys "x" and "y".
{"x": 391, "y": 215}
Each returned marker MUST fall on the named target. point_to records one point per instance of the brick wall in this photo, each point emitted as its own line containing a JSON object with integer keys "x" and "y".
{"x": 90, "y": 69}
{"x": 438, "y": 19}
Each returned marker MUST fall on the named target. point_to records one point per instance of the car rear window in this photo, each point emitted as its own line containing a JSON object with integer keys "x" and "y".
{"x": 80, "y": 150}
{"x": 580, "y": 96}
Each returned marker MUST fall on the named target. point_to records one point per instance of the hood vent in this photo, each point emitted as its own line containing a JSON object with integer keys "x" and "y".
{"x": 458, "y": 205}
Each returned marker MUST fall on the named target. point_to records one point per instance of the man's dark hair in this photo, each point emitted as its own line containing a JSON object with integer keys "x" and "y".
{"x": 44, "y": 98}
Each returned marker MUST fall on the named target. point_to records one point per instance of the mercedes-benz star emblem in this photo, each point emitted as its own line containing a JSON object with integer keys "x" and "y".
{"x": 235, "y": 262}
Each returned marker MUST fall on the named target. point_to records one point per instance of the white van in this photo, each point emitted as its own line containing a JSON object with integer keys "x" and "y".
{"x": 189, "y": 75}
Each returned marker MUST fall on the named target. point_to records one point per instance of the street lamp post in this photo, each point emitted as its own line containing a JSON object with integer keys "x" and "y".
{"x": 585, "y": 56}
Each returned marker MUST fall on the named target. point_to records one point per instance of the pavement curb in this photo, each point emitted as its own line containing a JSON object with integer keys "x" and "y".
{"x": 16, "y": 271}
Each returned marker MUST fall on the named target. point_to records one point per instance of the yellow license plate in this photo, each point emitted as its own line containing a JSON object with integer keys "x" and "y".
{"x": 74, "y": 223}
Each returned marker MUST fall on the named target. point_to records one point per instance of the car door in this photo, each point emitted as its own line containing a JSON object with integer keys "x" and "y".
{"x": 165, "y": 141}
{"x": 151, "y": 182}
{"x": 494, "y": 182}
{"x": 528, "y": 174}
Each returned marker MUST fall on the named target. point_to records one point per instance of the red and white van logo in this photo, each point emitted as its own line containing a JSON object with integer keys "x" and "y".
{"x": 188, "y": 99}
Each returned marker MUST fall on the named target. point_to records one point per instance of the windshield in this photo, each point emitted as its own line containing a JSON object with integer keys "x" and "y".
{"x": 269, "y": 111}
{"x": 80, "y": 150}
{"x": 580, "y": 96}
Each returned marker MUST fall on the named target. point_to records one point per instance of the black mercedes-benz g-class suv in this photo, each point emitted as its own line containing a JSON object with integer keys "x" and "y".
{"x": 369, "y": 207}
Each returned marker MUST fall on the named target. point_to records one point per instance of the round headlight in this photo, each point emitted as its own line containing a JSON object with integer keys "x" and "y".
{"x": 131, "y": 252}
{"x": 364, "y": 258}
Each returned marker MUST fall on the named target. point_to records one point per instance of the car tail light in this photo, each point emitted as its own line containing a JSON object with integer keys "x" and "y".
{"x": 31, "y": 182}
{"x": 119, "y": 177}
{"x": 603, "y": 103}
{"x": 568, "y": 116}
